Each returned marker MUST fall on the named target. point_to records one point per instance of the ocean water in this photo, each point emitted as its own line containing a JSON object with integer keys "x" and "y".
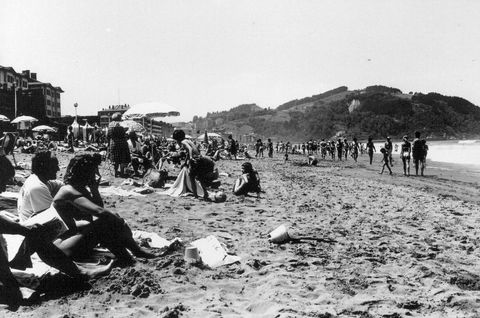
{"x": 461, "y": 151}
{"x": 449, "y": 151}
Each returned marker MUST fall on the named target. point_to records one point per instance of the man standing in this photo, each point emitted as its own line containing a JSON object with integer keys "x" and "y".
{"x": 418, "y": 153}
{"x": 405, "y": 151}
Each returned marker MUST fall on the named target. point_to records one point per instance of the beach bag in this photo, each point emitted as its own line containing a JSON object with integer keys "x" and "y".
{"x": 155, "y": 178}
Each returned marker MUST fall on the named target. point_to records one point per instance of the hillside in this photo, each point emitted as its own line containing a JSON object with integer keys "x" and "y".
{"x": 375, "y": 111}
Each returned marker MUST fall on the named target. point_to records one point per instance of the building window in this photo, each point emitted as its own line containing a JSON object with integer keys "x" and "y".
{"x": 48, "y": 102}
{"x": 25, "y": 84}
{"x": 49, "y": 112}
{"x": 10, "y": 78}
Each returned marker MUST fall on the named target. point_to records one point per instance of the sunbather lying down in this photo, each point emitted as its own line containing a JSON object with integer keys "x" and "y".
{"x": 248, "y": 182}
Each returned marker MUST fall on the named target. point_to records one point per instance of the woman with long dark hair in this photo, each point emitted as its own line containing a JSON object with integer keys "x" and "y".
{"x": 80, "y": 205}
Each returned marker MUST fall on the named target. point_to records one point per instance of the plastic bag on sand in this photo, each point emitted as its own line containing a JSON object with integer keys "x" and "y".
{"x": 213, "y": 253}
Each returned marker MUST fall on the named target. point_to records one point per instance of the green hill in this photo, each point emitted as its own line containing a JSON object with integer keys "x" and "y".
{"x": 375, "y": 111}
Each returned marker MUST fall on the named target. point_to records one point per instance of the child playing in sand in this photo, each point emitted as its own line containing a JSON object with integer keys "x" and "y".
{"x": 386, "y": 159}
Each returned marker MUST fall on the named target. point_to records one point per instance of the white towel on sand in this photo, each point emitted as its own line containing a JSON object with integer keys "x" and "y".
{"x": 213, "y": 253}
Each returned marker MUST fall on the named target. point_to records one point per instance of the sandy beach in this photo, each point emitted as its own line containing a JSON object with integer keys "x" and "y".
{"x": 404, "y": 246}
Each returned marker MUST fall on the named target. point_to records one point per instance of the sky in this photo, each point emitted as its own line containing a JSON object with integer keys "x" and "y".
{"x": 203, "y": 56}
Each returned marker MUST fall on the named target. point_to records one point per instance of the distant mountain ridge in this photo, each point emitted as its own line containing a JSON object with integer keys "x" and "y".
{"x": 375, "y": 111}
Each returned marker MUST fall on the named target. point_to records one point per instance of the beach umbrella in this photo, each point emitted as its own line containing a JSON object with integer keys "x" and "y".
{"x": 22, "y": 119}
{"x": 150, "y": 110}
{"x": 44, "y": 128}
{"x": 133, "y": 125}
{"x": 209, "y": 135}
{"x": 4, "y": 118}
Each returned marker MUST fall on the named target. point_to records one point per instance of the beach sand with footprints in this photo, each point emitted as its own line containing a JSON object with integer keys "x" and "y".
{"x": 400, "y": 247}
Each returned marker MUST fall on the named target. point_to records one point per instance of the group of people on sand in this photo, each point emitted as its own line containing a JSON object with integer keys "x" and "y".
{"x": 77, "y": 202}
{"x": 341, "y": 149}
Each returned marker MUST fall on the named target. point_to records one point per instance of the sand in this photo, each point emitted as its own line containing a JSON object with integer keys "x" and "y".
{"x": 405, "y": 246}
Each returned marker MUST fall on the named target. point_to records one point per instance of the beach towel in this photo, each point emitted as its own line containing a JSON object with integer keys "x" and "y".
{"x": 109, "y": 191}
{"x": 183, "y": 185}
{"x": 213, "y": 253}
{"x": 153, "y": 239}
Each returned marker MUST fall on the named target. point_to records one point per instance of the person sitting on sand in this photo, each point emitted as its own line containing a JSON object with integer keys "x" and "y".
{"x": 197, "y": 167}
{"x": 79, "y": 204}
{"x": 248, "y": 182}
{"x": 7, "y": 171}
{"x": 312, "y": 160}
{"x": 406, "y": 149}
{"x": 136, "y": 154}
{"x": 386, "y": 160}
{"x": 34, "y": 243}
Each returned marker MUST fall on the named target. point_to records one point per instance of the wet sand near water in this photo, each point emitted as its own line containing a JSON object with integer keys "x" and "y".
{"x": 405, "y": 246}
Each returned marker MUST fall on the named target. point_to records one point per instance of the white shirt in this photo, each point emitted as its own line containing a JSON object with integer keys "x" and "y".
{"x": 36, "y": 196}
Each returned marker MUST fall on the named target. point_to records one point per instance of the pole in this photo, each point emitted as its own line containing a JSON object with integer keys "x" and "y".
{"x": 15, "y": 98}
{"x": 75, "y": 105}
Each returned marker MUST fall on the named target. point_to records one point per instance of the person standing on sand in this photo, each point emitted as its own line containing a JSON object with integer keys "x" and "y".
{"x": 70, "y": 139}
{"x": 270, "y": 148}
{"x": 418, "y": 153}
{"x": 339, "y": 149}
{"x": 370, "y": 149}
{"x": 355, "y": 149}
{"x": 406, "y": 149}
{"x": 389, "y": 149}
{"x": 258, "y": 145}
{"x": 232, "y": 147}
{"x": 345, "y": 148}
{"x": 385, "y": 160}
{"x": 117, "y": 142}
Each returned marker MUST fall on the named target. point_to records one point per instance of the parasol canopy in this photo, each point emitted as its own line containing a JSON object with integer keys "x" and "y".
{"x": 132, "y": 125}
{"x": 4, "y": 118}
{"x": 209, "y": 135}
{"x": 44, "y": 128}
{"x": 23, "y": 119}
{"x": 150, "y": 110}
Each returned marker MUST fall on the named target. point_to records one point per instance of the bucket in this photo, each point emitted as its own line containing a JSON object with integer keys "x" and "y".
{"x": 191, "y": 254}
{"x": 279, "y": 235}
